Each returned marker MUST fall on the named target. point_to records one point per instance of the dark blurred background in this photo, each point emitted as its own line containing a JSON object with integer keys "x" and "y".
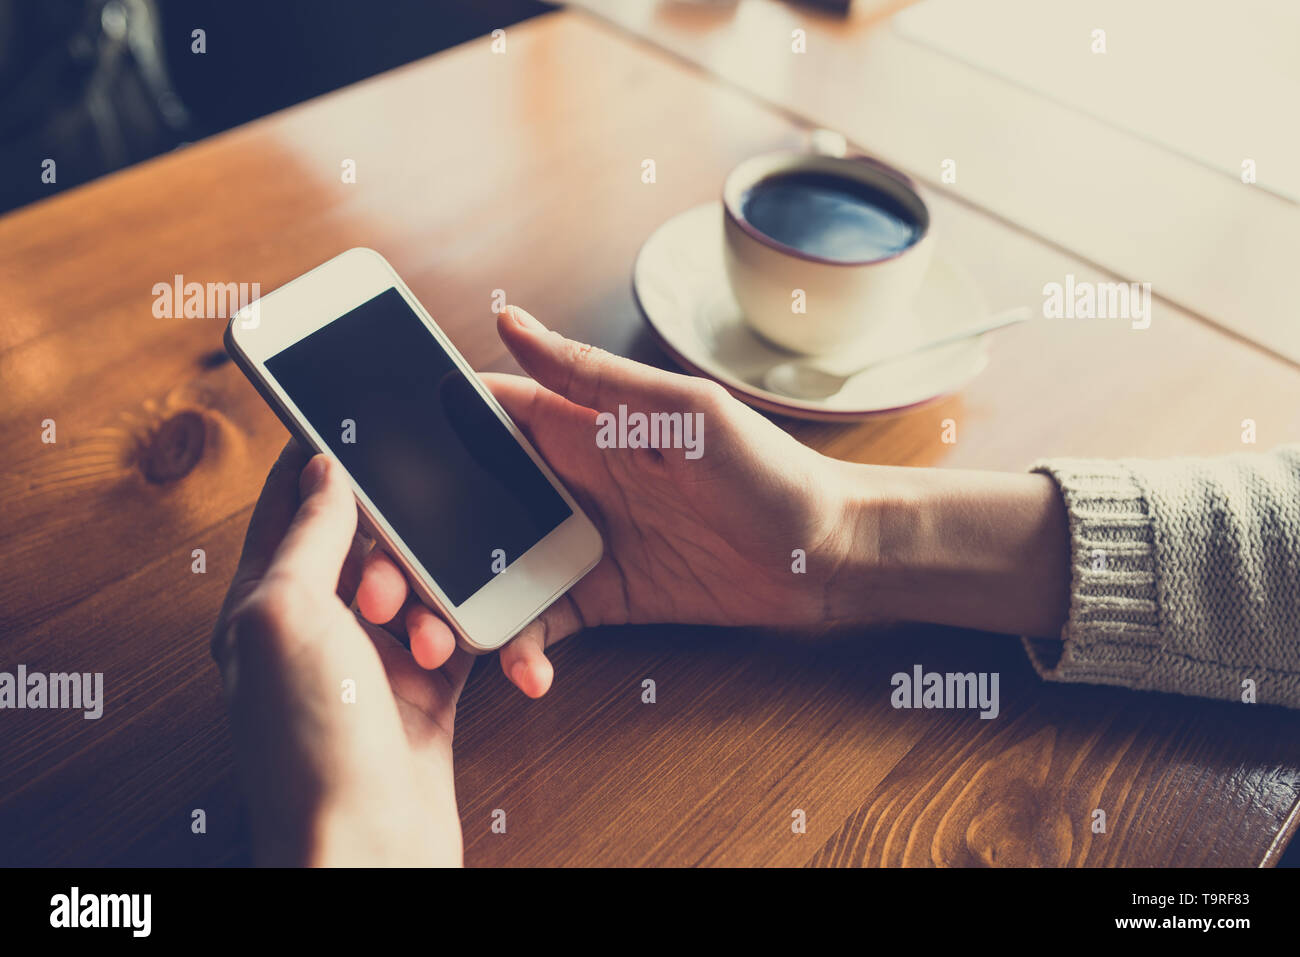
{"x": 100, "y": 84}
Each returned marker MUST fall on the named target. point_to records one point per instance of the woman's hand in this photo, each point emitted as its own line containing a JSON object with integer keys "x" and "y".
{"x": 756, "y": 530}
{"x": 343, "y": 742}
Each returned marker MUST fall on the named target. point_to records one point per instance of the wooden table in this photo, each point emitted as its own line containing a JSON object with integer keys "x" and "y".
{"x": 479, "y": 171}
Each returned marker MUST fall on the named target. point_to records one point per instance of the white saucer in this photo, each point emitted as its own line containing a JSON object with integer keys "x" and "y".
{"x": 681, "y": 286}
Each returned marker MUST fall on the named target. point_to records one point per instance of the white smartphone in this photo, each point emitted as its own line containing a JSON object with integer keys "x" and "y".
{"x": 356, "y": 368}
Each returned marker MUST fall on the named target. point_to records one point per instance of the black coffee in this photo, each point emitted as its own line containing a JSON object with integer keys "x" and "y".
{"x": 833, "y": 217}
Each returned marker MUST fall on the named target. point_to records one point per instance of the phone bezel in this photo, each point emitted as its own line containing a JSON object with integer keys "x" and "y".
{"x": 511, "y": 599}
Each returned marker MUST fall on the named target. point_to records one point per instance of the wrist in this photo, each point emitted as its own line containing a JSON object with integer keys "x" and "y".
{"x": 868, "y": 500}
{"x": 368, "y": 836}
{"x": 380, "y": 823}
{"x": 986, "y": 550}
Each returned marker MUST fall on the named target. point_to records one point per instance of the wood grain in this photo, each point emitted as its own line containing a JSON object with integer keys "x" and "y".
{"x": 522, "y": 172}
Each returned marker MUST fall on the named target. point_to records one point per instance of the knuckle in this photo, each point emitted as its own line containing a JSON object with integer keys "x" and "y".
{"x": 583, "y": 352}
{"x": 331, "y": 507}
{"x": 315, "y": 508}
{"x": 709, "y": 396}
{"x": 585, "y": 362}
{"x": 267, "y": 615}
{"x": 581, "y": 358}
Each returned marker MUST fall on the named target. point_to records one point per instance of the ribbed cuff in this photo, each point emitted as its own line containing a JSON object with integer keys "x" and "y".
{"x": 1112, "y": 635}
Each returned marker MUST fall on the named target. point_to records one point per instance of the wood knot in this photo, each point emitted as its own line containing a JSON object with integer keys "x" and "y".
{"x": 214, "y": 359}
{"x": 174, "y": 448}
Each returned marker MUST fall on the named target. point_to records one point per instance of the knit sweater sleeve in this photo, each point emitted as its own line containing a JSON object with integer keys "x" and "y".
{"x": 1185, "y": 576}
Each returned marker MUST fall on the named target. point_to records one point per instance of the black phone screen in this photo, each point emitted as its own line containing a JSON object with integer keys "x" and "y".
{"x": 421, "y": 442}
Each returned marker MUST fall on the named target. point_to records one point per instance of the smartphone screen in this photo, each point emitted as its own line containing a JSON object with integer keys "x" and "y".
{"x": 421, "y": 442}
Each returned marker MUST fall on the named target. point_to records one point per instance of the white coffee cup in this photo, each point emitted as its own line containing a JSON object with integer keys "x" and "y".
{"x": 844, "y": 302}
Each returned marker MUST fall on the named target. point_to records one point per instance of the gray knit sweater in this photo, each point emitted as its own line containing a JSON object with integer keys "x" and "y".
{"x": 1185, "y": 576}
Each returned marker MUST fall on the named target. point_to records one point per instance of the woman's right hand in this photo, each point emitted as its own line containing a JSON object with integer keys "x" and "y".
{"x": 713, "y": 537}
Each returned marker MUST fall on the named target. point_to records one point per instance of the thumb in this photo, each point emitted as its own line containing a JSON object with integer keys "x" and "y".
{"x": 587, "y": 375}
{"x": 320, "y": 535}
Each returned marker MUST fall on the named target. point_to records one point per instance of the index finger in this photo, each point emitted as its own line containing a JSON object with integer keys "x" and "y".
{"x": 583, "y": 374}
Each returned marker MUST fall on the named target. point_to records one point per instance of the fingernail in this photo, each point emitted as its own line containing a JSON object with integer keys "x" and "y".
{"x": 525, "y": 320}
{"x": 313, "y": 476}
